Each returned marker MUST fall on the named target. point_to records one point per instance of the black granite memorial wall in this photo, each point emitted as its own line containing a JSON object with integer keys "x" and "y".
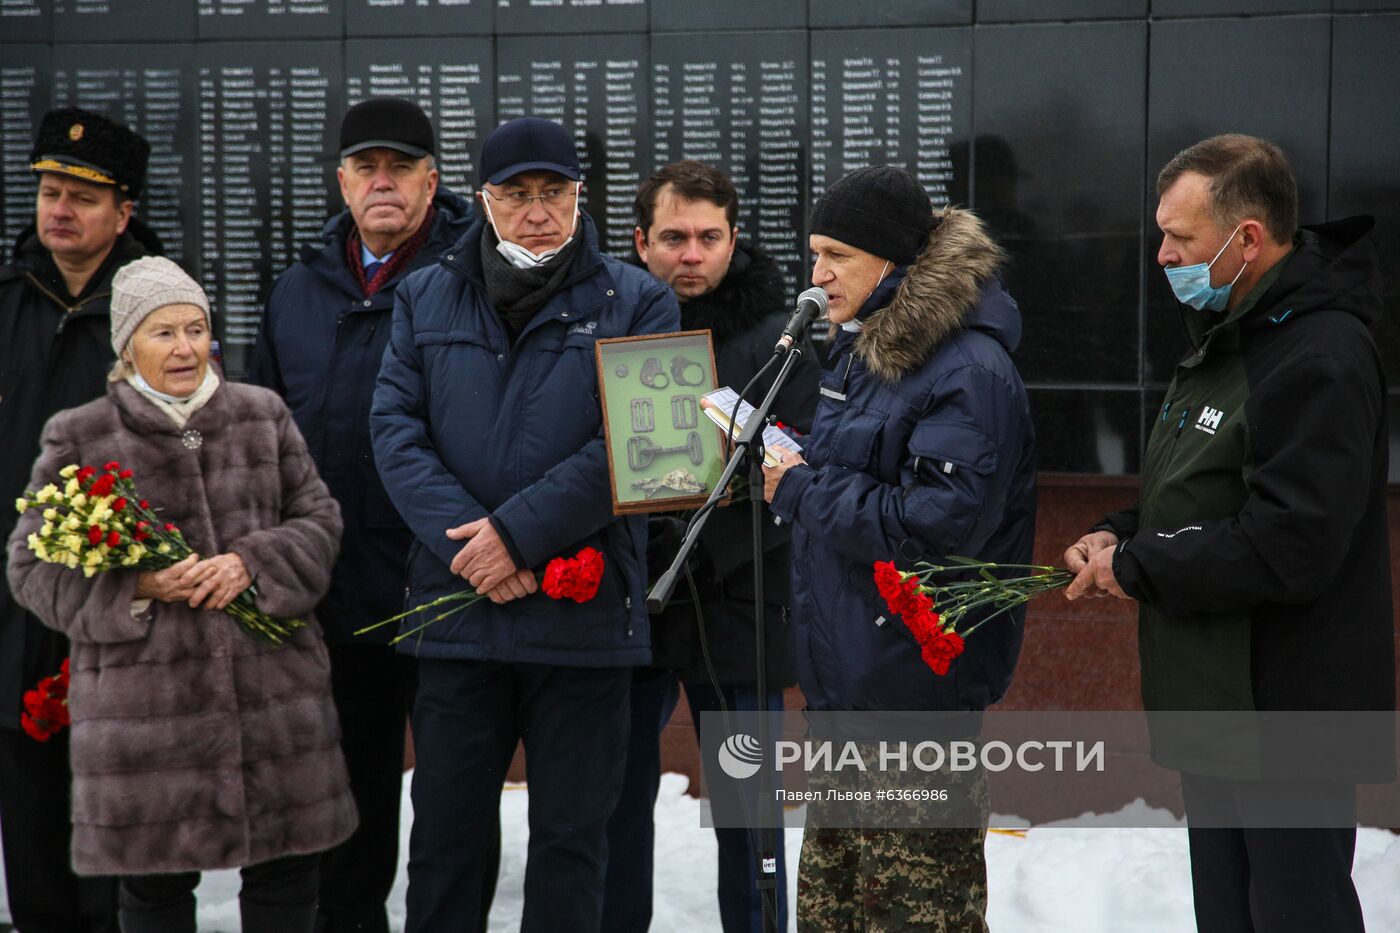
{"x": 1050, "y": 118}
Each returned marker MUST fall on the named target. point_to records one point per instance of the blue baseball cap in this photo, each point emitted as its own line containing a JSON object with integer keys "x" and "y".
{"x": 528, "y": 144}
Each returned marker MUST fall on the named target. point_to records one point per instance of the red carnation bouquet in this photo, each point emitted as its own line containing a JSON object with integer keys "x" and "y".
{"x": 933, "y": 599}
{"x": 46, "y": 707}
{"x": 576, "y": 578}
{"x": 98, "y": 522}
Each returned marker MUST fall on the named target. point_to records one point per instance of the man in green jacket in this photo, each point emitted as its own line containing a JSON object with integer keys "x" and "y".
{"x": 1258, "y": 551}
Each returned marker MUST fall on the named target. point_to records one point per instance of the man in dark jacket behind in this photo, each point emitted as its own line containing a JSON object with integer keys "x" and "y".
{"x": 487, "y": 432}
{"x": 55, "y": 350}
{"x": 922, "y": 448}
{"x": 322, "y": 338}
{"x": 687, "y": 237}
{"x": 1258, "y": 552}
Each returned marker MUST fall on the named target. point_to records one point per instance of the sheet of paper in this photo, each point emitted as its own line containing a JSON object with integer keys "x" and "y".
{"x": 718, "y": 405}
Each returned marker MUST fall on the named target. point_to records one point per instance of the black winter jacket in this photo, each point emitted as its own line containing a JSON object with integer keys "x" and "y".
{"x": 319, "y": 347}
{"x": 745, "y": 315}
{"x": 55, "y": 352}
{"x": 1259, "y": 551}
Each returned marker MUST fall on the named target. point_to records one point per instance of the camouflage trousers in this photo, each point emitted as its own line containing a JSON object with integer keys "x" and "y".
{"x": 878, "y": 879}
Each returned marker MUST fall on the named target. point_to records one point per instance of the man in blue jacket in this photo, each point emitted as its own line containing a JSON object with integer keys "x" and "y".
{"x": 322, "y": 337}
{"x": 487, "y": 431}
{"x": 922, "y": 447}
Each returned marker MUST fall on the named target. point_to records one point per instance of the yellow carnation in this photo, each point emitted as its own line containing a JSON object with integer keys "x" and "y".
{"x": 21, "y": 505}
{"x": 50, "y": 515}
{"x": 69, "y": 471}
{"x": 48, "y": 492}
{"x": 71, "y": 487}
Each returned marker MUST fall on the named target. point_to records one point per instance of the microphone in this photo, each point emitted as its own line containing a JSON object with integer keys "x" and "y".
{"x": 810, "y": 304}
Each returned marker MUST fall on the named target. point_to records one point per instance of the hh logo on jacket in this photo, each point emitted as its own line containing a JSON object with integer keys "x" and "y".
{"x": 1209, "y": 420}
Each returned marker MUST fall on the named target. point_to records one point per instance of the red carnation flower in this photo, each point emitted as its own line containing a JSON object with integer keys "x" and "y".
{"x": 576, "y": 578}
{"x": 126, "y": 474}
{"x": 118, "y": 504}
{"x": 114, "y": 538}
{"x": 887, "y": 581}
{"x": 940, "y": 652}
{"x": 169, "y": 526}
{"x": 33, "y": 729}
{"x": 111, "y": 466}
{"x": 143, "y": 504}
{"x": 103, "y": 484}
{"x": 85, "y": 474}
{"x": 94, "y": 535}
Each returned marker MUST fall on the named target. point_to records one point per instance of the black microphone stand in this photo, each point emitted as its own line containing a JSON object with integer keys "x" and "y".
{"x": 748, "y": 446}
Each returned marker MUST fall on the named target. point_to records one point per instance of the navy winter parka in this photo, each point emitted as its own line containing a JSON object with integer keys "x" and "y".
{"x": 922, "y": 447}
{"x": 465, "y": 425}
{"x": 319, "y": 347}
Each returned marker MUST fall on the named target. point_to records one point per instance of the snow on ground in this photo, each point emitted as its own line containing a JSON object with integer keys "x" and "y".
{"x": 1087, "y": 878}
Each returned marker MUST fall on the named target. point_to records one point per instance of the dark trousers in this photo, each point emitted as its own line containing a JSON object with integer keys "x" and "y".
{"x": 1270, "y": 880}
{"x": 44, "y": 894}
{"x": 278, "y": 896}
{"x": 467, "y": 719}
{"x": 373, "y": 689}
{"x": 627, "y": 907}
{"x": 627, "y": 892}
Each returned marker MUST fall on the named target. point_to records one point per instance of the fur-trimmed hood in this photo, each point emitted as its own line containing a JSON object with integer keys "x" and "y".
{"x": 952, "y": 284}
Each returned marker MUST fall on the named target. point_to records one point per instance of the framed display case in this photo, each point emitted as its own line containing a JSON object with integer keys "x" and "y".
{"x": 663, "y": 453}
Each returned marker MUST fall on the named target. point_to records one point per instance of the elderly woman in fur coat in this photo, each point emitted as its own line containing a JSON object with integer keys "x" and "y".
{"x": 193, "y": 745}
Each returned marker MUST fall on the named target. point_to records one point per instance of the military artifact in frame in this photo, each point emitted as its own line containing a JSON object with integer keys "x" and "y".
{"x": 658, "y": 463}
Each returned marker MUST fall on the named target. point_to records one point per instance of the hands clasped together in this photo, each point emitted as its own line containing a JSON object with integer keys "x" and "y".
{"x": 486, "y": 564}
{"x": 1091, "y": 557}
{"x": 211, "y": 583}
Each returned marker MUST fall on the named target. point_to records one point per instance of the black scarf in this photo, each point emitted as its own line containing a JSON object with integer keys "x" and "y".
{"x": 517, "y": 294}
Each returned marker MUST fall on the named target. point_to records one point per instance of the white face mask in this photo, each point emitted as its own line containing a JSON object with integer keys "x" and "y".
{"x": 519, "y": 256}
{"x": 140, "y": 382}
{"x": 855, "y": 325}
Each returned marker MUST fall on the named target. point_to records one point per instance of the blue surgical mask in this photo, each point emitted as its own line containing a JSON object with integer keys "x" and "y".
{"x": 1191, "y": 284}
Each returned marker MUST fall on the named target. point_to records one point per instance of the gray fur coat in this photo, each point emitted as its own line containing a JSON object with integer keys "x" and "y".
{"x": 194, "y": 746}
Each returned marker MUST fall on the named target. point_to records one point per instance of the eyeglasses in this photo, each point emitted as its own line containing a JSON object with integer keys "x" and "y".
{"x": 519, "y": 200}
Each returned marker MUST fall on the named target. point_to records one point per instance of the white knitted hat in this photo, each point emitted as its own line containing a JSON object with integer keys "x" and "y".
{"x": 143, "y": 285}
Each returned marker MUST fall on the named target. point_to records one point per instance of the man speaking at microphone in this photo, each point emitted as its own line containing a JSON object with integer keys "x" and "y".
{"x": 687, "y": 236}
{"x": 922, "y": 447}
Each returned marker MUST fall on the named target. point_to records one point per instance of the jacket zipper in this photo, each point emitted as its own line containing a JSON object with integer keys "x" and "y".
{"x": 68, "y": 309}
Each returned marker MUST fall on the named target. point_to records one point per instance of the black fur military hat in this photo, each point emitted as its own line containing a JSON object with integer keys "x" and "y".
{"x": 86, "y": 145}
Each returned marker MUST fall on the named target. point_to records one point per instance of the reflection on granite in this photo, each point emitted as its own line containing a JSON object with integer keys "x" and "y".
{"x": 1188, "y": 102}
{"x": 997, "y": 11}
{"x": 1087, "y": 430}
{"x": 1236, "y": 7}
{"x": 827, "y": 13}
{"x": 1362, "y": 170}
{"x": 1069, "y": 215}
